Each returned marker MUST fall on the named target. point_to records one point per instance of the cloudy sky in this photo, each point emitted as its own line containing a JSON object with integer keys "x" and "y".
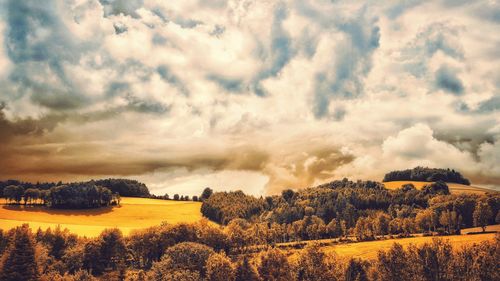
{"x": 255, "y": 95}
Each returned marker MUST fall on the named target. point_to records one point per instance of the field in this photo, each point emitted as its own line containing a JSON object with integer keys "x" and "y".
{"x": 134, "y": 213}
{"x": 454, "y": 187}
{"x": 368, "y": 250}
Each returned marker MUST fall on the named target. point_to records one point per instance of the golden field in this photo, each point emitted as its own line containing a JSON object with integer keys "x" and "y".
{"x": 133, "y": 213}
{"x": 454, "y": 187}
{"x": 369, "y": 249}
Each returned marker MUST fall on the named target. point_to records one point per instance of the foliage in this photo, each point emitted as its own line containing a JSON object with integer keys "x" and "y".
{"x": 223, "y": 207}
{"x": 426, "y": 174}
{"x": 19, "y": 261}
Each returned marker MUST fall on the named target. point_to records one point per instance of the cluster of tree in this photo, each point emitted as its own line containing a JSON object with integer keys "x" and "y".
{"x": 365, "y": 210}
{"x": 71, "y": 196}
{"x": 171, "y": 255}
{"x": 123, "y": 187}
{"x": 176, "y": 197}
{"x": 223, "y": 207}
{"x": 426, "y": 174}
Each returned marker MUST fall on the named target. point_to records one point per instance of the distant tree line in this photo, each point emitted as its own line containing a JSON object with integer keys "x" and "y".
{"x": 71, "y": 196}
{"x": 123, "y": 187}
{"x": 201, "y": 251}
{"x": 426, "y": 174}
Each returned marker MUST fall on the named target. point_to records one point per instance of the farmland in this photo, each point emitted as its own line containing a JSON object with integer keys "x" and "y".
{"x": 133, "y": 213}
{"x": 454, "y": 187}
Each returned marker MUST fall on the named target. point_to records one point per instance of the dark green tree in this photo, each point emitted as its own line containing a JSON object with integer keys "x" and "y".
{"x": 19, "y": 261}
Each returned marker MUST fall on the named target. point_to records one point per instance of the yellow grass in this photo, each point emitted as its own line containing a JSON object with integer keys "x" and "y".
{"x": 368, "y": 250}
{"x": 454, "y": 187}
{"x": 134, "y": 213}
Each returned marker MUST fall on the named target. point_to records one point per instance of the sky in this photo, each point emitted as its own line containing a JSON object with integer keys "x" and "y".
{"x": 254, "y": 95}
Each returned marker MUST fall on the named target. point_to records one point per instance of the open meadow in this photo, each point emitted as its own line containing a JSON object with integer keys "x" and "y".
{"x": 133, "y": 213}
{"x": 454, "y": 187}
{"x": 369, "y": 249}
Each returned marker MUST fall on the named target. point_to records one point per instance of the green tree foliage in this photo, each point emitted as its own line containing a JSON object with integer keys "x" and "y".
{"x": 356, "y": 270}
{"x": 245, "y": 271}
{"x": 71, "y": 196}
{"x": 188, "y": 256}
{"x": 125, "y": 187}
{"x": 19, "y": 261}
{"x": 273, "y": 265}
{"x": 220, "y": 268}
{"x": 223, "y": 207}
{"x": 207, "y": 192}
{"x": 482, "y": 215}
{"x": 426, "y": 174}
{"x": 438, "y": 187}
{"x": 313, "y": 264}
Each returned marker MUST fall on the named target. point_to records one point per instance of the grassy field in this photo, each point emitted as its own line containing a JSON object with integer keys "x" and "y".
{"x": 368, "y": 250}
{"x": 454, "y": 187}
{"x": 134, "y": 213}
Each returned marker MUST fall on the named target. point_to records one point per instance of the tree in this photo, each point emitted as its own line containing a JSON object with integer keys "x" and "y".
{"x": 333, "y": 229}
{"x": 176, "y": 197}
{"x": 245, "y": 271}
{"x": 273, "y": 266}
{"x": 482, "y": 214}
{"x": 313, "y": 264}
{"x": 207, "y": 192}
{"x": 287, "y": 194}
{"x": 391, "y": 265}
{"x": 381, "y": 224}
{"x": 356, "y": 270}
{"x": 112, "y": 249}
{"x": 220, "y": 268}
{"x": 19, "y": 261}
{"x": 184, "y": 256}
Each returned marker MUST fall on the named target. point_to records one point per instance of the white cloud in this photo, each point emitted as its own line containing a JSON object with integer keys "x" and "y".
{"x": 157, "y": 79}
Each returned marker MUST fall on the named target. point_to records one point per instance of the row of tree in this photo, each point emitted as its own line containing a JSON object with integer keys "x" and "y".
{"x": 58, "y": 255}
{"x": 71, "y": 196}
{"x": 124, "y": 187}
{"x": 426, "y": 174}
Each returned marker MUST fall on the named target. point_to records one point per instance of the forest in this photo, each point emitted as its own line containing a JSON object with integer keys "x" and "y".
{"x": 364, "y": 208}
{"x": 426, "y": 174}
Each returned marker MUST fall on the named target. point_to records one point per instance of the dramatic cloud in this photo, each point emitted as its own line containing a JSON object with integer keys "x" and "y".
{"x": 247, "y": 94}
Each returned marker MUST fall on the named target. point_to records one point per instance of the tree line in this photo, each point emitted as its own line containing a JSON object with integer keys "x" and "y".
{"x": 123, "y": 187}
{"x": 70, "y": 196}
{"x": 426, "y": 174}
{"x": 205, "y": 252}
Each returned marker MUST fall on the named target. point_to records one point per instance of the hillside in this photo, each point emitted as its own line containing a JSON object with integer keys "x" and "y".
{"x": 455, "y": 188}
{"x": 134, "y": 213}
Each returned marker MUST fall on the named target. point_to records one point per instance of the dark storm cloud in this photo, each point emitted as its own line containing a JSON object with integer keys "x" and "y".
{"x": 24, "y": 127}
{"x": 447, "y": 79}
